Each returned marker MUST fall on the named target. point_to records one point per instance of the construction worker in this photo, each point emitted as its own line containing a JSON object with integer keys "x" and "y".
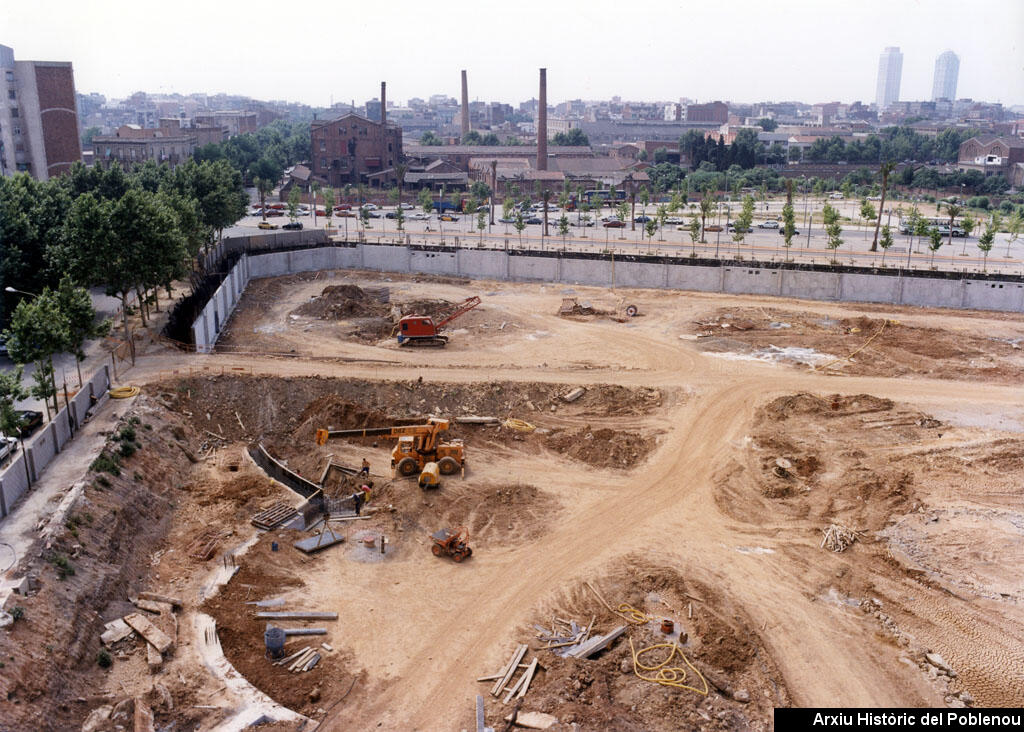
{"x": 360, "y": 497}
{"x": 365, "y": 470}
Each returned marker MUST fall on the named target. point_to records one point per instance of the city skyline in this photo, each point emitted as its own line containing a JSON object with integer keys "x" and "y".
{"x": 241, "y": 50}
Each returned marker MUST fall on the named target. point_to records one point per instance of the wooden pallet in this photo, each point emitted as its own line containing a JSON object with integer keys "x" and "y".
{"x": 205, "y": 546}
{"x": 274, "y": 516}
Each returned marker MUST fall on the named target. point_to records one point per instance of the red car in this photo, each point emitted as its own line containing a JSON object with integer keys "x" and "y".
{"x": 615, "y": 224}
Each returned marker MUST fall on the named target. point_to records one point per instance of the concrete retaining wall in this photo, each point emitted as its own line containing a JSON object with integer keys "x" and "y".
{"x": 738, "y": 278}
{"x": 208, "y": 326}
{"x": 27, "y": 466}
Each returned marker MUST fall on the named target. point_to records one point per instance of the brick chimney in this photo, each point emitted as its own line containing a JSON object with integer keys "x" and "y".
{"x": 542, "y": 122}
{"x": 383, "y": 103}
{"x": 465, "y": 105}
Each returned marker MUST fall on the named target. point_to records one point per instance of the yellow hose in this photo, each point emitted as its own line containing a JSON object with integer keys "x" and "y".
{"x": 632, "y": 615}
{"x": 663, "y": 673}
{"x": 519, "y": 425}
{"x": 862, "y": 347}
{"x": 124, "y": 392}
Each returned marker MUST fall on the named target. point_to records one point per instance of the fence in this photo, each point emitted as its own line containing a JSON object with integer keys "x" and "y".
{"x": 281, "y": 474}
{"x": 207, "y": 327}
{"x": 30, "y": 463}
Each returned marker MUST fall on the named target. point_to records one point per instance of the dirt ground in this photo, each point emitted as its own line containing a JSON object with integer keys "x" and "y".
{"x": 691, "y": 481}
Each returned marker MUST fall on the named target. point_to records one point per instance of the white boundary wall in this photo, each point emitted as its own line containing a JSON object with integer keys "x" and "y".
{"x": 47, "y": 444}
{"x": 732, "y": 278}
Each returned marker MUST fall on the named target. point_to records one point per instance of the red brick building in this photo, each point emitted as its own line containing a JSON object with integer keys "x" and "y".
{"x": 38, "y": 118}
{"x": 712, "y": 112}
{"x": 994, "y": 155}
{"x": 351, "y": 148}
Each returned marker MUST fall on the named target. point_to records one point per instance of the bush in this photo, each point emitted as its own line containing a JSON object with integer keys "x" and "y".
{"x": 127, "y": 434}
{"x": 17, "y": 612}
{"x": 106, "y": 463}
{"x": 64, "y": 567}
{"x": 127, "y": 449}
{"x": 103, "y": 481}
{"x": 104, "y": 659}
{"x": 981, "y": 202}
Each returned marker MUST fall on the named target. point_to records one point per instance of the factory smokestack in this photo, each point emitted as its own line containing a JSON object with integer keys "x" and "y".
{"x": 465, "y": 105}
{"x": 383, "y": 103}
{"x": 542, "y": 122}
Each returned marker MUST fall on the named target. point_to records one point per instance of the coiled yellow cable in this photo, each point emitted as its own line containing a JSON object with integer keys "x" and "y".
{"x": 124, "y": 392}
{"x": 664, "y": 674}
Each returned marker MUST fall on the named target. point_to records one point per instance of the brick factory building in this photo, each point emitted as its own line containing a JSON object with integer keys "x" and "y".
{"x": 351, "y": 148}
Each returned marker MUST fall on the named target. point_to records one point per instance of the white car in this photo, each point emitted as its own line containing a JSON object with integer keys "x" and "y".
{"x": 837, "y": 196}
{"x": 674, "y": 220}
{"x": 419, "y": 216}
{"x": 407, "y": 207}
{"x": 768, "y": 225}
{"x": 8, "y": 445}
{"x": 370, "y": 206}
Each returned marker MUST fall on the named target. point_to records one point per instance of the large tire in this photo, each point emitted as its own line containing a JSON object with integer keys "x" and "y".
{"x": 407, "y": 467}
{"x": 448, "y": 466}
{"x": 438, "y": 551}
{"x": 458, "y": 556}
{"x": 631, "y": 311}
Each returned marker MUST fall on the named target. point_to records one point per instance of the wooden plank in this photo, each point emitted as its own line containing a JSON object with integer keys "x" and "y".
{"x": 514, "y": 688}
{"x": 156, "y": 597}
{"x": 311, "y": 663}
{"x": 597, "y": 643}
{"x": 528, "y": 676}
{"x": 292, "y": 657}
{"x": 504, "y": 670}
{"x": 489, "y": 678}
{"x": 143, "y": 718}
{"x": 150, "y": 632}
{"x": 500, "y": 684}
{"x": 301, "y": 660}
{"x": 298, "y": 615}
{"x": 154, "y": 659}
{"x": 151, "y": 605}
{"x": 115, "y": 630}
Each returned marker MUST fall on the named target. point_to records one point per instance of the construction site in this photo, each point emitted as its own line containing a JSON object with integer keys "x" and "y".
{"x": 404, "y": 501}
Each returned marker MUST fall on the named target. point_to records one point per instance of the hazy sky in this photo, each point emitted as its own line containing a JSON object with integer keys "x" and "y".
{"x": 808, "y": 50}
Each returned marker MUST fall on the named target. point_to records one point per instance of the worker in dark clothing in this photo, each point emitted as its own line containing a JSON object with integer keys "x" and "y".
{"x": 359, "y": 498}
{"x": 365, "y": 470}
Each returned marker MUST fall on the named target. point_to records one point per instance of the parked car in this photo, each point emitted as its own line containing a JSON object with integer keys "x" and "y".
{"x": 370, "y": 206}
{"x": 449, "y": 217}
{"x": 266, "y": 225}
{"x": 535, "y": 220}
{"x": 372, "y": 214}
{"x": 944, "y": 230}
{"x": 733, "y": 227}
{"x": 614, "y": 224}
{"x": 641, "y": 219}
{"x": 293, "y": 225}
{"x": 8, "y": 446}
{"x": 274, "y": 212}
{"x": 714, "y": 227}
{"x": 419, "y": 216}
{"x": 581, "y": 222}
{"x": 343, "y": 207}
{"x": 837, "y": 196}
{"x": 506, "y": 221}
{"x": 874, "y": 198}
{"x": 674, "y": 221}
{"x": 768, "y": 225}
{"x": 277, "y": 206}
{"x": 782, "y": 232}
{"x": 30, "y": 421}
{"x": 391, "y": 215}
{"x": 407, "y": 207}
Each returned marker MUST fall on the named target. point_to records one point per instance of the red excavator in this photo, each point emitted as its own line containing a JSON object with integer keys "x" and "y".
{"x": 420, "y": 330}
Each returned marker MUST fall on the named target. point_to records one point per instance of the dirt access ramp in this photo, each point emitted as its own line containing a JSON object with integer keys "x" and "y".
{"x": 861, "y": 345}
{"x": 912, "y": 492}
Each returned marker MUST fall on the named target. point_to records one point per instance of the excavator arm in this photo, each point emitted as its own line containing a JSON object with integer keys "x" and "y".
{"x": 462, "y": 309}
{"x": 427, "y": 433}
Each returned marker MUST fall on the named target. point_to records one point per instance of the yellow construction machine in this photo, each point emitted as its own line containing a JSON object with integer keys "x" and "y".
{"x": 419, "y": 449}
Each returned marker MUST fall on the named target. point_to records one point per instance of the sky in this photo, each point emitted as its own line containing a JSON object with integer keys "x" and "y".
{"x": 643, "y": 50}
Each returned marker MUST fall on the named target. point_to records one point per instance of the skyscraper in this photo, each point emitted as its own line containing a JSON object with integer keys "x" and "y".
{"x": 947, "y": 68}
{"x": 890, "y": 70}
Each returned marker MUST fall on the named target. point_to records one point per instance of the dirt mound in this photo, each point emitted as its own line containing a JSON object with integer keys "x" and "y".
{"x": 346, "y": 301}
{"x": 602, "y": 448}
{"x": 604, "y": 692}
{"x": 494, "y": 514}
{"x": 334, "y": 412}
{"x": 836, "y": 405}
{"x": 266, "y": 574}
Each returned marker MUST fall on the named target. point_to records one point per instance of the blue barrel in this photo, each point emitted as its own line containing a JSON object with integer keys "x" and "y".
{"x": 274, "y": 638}
{"x": 273, "y": 546}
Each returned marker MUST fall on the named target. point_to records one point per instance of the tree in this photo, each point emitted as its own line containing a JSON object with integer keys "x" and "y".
{"x": 767, "y": 124}
{"x": 400, "y": 219}
{"x": 37, "y": 331}
{"x": 563, "y": 228}
{"x": 294, "y": 199}
{"x": 967, "y": 223}
{"x": 649, "y": 228}
{"x": 695, "y": 232}
{"x": 429, "y": 138}
{"x": 921, "y": 229}
{"x": 707, "y": 207}
{"x": 952, "y": 210}
{"x": 364, "y": 216}
{"x": 471, "y": 138}
{"x": 481, "y": 223}
{"x": 519, "y": 225}
{"x": 329, "y": 201}
{"x": 884, "y": 170}
{"x": 573, "y": 138}
{"x": 886, "y": 241}
{"x": 662, "y": 217}
{"x": 867, "y": 211}
{"x": 546, "y": 198}
{"x": 1014, "y": 226}
{"x": 425, "y": 200}
{"x": 622, "y": 211}
{"x": 264, "y": 187}
{"x": 985, "y": 242}
{"x": 934, "y": 242}
{"x": 507, "y": 204}
{"x": 832, "y": 229}
{"x": 11, "y": 391}
{"x": 788, "y": 217}
{"x": 75, "y": 306}
{"x": 744, "y": 221}
{"x": 400, "y": 171}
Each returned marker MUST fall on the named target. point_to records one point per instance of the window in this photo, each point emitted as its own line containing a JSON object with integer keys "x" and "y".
{"x": 17, "y": 129}
{"x": 323, "y": 146}
{"x": 323, "y": 162}
{"x": 11, "y": 94}
{"x": 14, "y": 112}
{"x": 10, "y": 76}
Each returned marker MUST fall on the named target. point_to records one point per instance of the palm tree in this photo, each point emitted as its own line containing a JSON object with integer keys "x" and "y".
{"x": 400, "y": 174}
{"x": 953, "y": 210}
{"x": 264, "y": 186}
{"x": 546, "y": 197}
{"x": 884, "y": 170}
